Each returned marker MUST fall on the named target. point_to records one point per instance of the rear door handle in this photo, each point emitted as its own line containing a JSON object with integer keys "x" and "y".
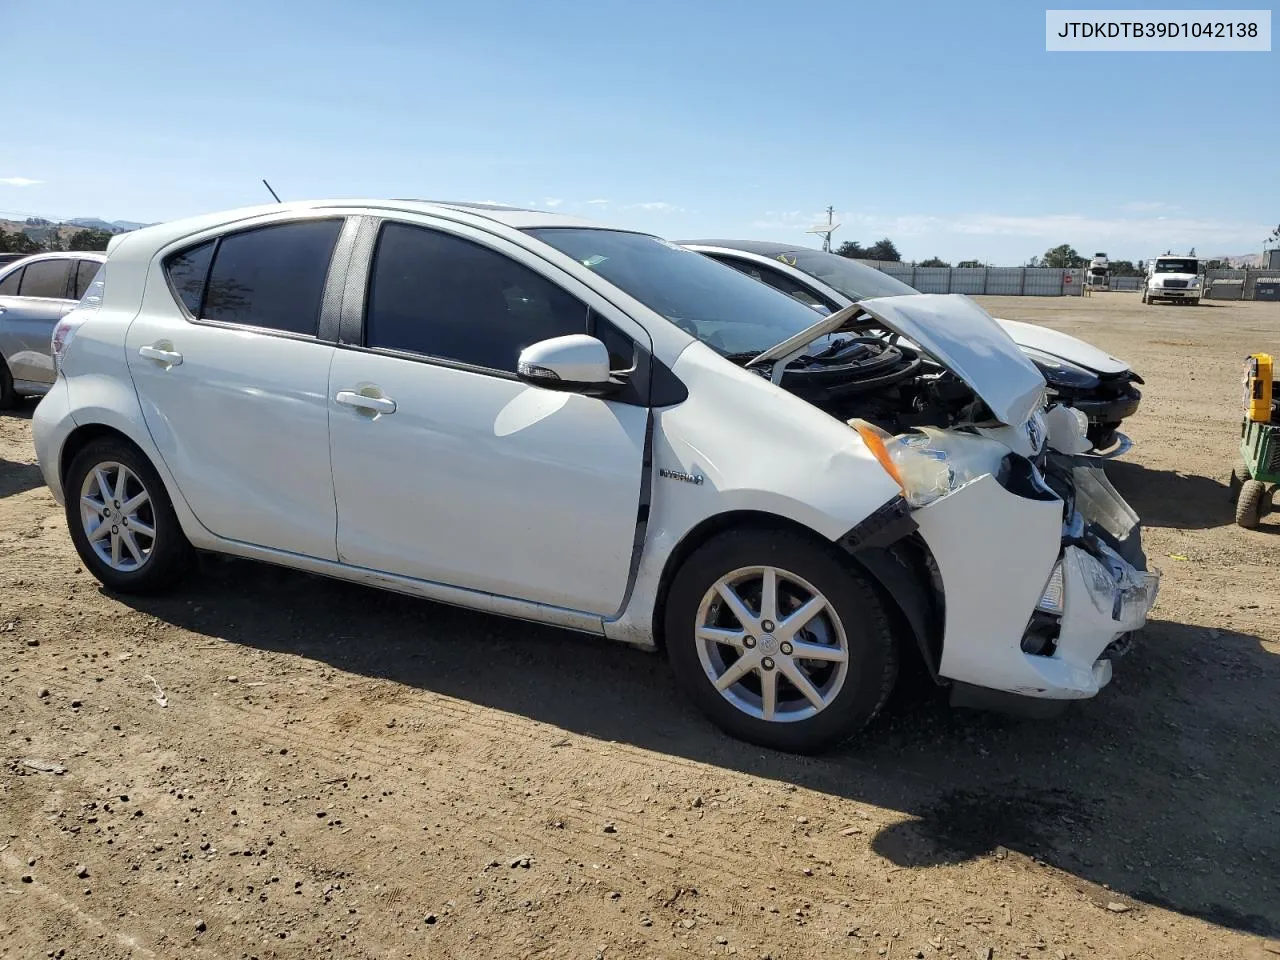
{"x": 171, "y": 357}
{"x": 349, "y": 398}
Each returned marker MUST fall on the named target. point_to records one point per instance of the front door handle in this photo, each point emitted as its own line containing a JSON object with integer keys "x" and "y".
{"x": 170, "y": 357}
{"x": 349, "y": 398}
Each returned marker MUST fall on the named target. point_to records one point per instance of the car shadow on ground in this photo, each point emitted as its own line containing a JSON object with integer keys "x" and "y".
{"x": 1161, "y": 789}
{"x": 18, "y": 478}
{"x": 1166, "y": 498}
{"x": 22, "y": 409}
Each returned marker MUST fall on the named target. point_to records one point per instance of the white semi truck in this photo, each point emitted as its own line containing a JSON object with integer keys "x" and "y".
{"x": 1173, "y": 279}
{"x": 1098, "y": 276}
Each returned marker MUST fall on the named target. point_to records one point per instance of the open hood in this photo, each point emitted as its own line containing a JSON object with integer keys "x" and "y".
{"x": 955, "y": 332}
{"x": 1062, "y": 345}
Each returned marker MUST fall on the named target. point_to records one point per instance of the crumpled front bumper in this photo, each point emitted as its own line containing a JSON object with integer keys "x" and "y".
{"x": 996, "y": 551}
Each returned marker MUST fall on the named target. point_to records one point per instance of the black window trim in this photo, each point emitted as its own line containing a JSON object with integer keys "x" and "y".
{"x": 331, "y": 296}
{"x": 355, "y": 309}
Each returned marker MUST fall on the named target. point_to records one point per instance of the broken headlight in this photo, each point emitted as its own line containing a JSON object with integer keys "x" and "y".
{"x": 931, "y": 463}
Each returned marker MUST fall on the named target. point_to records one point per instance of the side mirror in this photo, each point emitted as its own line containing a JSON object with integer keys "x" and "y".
{"x": 575, "y": 363}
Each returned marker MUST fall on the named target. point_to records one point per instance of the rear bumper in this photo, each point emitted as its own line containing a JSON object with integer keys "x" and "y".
{"x": 996, "y": 552}
{"x": 51, "y": 424}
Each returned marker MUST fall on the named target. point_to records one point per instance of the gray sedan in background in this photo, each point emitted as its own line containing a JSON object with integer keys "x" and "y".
{"x": 35, "y": 293}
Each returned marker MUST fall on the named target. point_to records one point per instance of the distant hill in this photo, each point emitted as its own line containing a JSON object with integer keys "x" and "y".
{"x": 57, "y": 234}
{"x": 111, "y": 226}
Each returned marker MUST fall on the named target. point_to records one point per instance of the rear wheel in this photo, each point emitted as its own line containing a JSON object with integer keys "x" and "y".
{"x": 1250, "y": 503}
{"x": 7, "y": 397}
{"x": 1239, "y": 475}
{"x": 122, "y": 521}
{"x": 778, "y": 641}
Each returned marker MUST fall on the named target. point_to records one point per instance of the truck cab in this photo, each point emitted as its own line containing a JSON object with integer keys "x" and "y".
{"x": 1098, "y": 276}
{"x": 1172, "y": 279}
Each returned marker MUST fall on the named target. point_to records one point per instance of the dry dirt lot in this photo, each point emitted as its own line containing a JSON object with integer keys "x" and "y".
{"x": 346, "y": 773}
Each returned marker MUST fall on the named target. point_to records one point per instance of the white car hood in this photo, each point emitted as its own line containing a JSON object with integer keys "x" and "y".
{"x": 957, "y": 333}
{"x": 1062, "y": 345}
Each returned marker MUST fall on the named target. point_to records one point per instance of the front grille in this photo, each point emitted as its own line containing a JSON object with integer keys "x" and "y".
{"x": 1176, "y": 284}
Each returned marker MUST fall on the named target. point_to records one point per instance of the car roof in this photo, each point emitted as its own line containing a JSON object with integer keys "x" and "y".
{"x": 514, "y": 217}
{"x": 768, "y": 248}
{"x": 7, "y": 267}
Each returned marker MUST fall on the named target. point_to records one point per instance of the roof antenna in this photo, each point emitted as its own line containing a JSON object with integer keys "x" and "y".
{"x": 273, "y": 193}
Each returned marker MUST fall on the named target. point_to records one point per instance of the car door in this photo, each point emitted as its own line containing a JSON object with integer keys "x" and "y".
{"x": 230, "y": 356}
{"x": 446, "y": 467}
{"x": 31, "y": 304}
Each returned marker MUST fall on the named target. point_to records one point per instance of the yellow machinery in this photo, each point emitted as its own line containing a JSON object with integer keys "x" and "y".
{"x": 1253, "y": 482}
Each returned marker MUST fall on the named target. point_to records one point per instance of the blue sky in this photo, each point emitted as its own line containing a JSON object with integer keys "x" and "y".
{"x": 945, "y": 126}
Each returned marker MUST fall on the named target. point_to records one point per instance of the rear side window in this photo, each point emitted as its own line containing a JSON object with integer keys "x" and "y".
{"x": 272, "y": 277}
{"x": 439, "y": 295}
{"x": 46, "y": 278}
{"x": 188, "y": 272}
{"x": 86, "y": 270}
{"x": 9, "y": 285}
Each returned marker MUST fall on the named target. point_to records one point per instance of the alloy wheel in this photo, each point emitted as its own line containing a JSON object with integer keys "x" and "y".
{"x": 771, "y": 644}
{"x": 118, "y": 517}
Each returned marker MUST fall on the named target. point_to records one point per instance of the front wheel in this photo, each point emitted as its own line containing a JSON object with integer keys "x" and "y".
{"x": 778, "y": 641}
{"x": 122, "y": 521}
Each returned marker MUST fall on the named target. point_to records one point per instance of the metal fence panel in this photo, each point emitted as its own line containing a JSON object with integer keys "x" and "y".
{"x": 968, "y": 280}
{"x": 1004, "y": 281}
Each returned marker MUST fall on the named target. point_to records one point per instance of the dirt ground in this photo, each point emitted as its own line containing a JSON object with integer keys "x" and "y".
{"x": 273, "y": 765}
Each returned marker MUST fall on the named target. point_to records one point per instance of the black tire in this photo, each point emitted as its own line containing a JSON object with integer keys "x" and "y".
{"x": 1239, "y": 475}
{"x": 1250, "y": 503}
{"x": 873, "y": 652}
{"x": 171, "y": 554}
{"x": 7, "y": 396}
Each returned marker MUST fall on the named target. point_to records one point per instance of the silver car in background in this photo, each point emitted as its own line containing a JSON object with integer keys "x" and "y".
{"x": 35, "y": 293}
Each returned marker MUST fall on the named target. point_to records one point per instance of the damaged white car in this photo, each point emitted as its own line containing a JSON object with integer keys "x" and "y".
{"x": 554, "y": 420}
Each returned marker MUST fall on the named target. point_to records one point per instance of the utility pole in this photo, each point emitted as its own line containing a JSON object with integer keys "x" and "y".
{"x": 826, "y": 229}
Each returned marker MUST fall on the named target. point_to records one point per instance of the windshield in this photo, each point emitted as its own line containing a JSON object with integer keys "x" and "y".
{"x": 1177, "y": 266}
{"x": 855, "y": 280}
{"x": 728, "y": 311}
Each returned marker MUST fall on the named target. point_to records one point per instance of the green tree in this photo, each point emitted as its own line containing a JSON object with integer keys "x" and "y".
{"x": 1124, "y": 268}
{"x": 852, "y": 249}
{"x": 17, "y": 242}
{"x": 969, "y": 264}
{"x": 1063, "y": 257}
{"x": 883, "y": 249}
{"x": 933, "y": 262}
{"x": 89, "y": 240}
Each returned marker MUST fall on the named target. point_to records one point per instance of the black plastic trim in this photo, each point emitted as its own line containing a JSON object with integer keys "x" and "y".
{"x": 886, "y": 525}
{"x": 356, "y": 289}
{"x": 335, "y": 281}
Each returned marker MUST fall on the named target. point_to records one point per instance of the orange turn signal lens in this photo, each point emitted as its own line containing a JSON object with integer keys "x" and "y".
{"x": 875, "y": 443}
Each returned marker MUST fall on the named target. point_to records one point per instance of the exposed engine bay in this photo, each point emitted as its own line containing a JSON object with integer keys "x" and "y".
{"x": 864, "y": 372}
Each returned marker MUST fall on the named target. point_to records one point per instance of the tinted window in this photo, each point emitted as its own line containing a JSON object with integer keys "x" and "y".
{"x": 855, "y": 280}
{"x": 272, "y": 277}
{"x": 787, "y": 285}
{"x": 46, "y": 278}
{"x": 439, "y": 295}
{"x": 85, "y": 272}
{"x": 187, "y": 272}
{"x": 9, "y": 285}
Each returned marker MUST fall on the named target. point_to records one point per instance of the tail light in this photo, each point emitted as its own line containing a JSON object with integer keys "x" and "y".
{"x": 89, "y": 304}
